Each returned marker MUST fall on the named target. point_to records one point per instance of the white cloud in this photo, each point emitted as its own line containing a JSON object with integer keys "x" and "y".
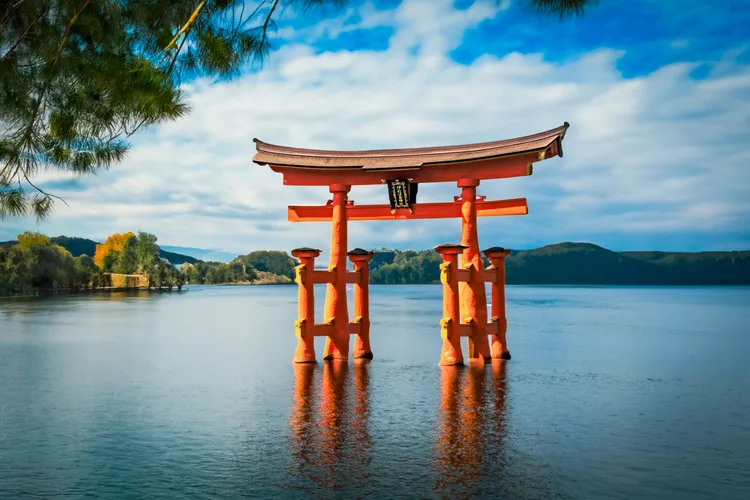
{"x": 659, "y": 153}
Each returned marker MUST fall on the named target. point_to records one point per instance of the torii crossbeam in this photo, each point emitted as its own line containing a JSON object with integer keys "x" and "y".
{"x": 464, "y": 310}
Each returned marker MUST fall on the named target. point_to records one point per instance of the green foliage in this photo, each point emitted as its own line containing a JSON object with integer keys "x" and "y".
{"x": 78, "y": 77}
{"x": 166, "y": 275}
{"x": 207, "y": 273}
{"x": 579, "y": 264}
{"x": 271, "y": 261}
{"x": 110, "y": 260}
{"x": 146, "y": 253}
{"x": 560, "y": 8}
{"x": 127, "y": 260}
{"x": 35, "y": 264}
{"x": 394, "y": 267}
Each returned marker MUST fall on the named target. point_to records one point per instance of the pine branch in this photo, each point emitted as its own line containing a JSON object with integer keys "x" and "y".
{"x": 38, "y": 104}
{"x": 265, "y": 24}
{"x": 187, "y": 25}
{"x": 18, "y": 42}
{"x": 10, "y": 13}
{"x": 252, "y": 14}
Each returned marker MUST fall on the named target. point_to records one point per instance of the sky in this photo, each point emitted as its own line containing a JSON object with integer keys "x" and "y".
{"x": 657, "y": 94}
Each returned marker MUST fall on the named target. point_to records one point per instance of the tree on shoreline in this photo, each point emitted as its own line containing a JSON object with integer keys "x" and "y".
{"x": 35, "y": 264}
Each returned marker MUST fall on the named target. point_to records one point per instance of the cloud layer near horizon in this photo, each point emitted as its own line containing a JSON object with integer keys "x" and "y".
{"x": 653, "y": 161}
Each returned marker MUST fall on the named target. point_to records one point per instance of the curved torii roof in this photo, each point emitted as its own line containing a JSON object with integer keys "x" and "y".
{"x": 365, "y": 166}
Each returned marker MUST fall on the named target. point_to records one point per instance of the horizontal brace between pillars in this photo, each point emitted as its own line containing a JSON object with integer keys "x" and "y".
{"x": 324, "y": 277}
{"x": 491, "y": 328}
{"x": 323, "y": 330}
{"x": 464, "y": 275}
{"x": 467, "y": 329}
{"x": 353, "y": 277}
{"x": 515, "y": 206}
{"x": 326, "y": 329}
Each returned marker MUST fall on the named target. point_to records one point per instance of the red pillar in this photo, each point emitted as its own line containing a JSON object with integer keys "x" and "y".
{"x": 305, "y": 352}
{"x": 361, "y": 260}
{"x": 337, "y": 345}
{"x": 473, "y": 296}
{"x": 497, "y": 257}
{"x": 450, "y": 324}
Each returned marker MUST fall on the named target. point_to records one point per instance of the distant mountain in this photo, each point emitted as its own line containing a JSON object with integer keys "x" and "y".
{"x": 176, "y": 258}
{"x": 80, "y": 246}
{"x": 76, "y": 246}
{"x": 206, "y": 255}
{"x": 583, "y": 264}
{"x": 588, "y": 264}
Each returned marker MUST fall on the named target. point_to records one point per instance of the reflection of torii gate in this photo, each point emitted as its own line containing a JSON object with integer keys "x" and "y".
{"x": 403, "y": 170}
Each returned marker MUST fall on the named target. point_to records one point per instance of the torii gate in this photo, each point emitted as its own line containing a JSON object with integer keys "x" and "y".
{"x": 403, "y": 170}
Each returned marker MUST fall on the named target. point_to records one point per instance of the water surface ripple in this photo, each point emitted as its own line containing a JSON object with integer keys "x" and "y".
{"x": 611, "y": 393}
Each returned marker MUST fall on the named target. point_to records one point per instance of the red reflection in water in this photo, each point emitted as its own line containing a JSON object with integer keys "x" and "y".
{"x": 329, "y": 425}
{"x": 471, "y": 420}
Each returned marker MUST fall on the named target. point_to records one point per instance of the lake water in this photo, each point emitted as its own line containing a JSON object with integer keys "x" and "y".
{"x": 611, "y": 393}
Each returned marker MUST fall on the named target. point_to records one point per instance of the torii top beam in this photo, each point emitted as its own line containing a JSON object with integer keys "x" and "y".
{"x": 488, "y": 160}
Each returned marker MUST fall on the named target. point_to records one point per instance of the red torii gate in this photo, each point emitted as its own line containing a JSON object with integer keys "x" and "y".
{"x": 464, "y": 310}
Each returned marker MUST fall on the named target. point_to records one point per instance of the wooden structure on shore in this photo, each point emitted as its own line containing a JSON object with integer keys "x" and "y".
{"x": 463, "y": 274}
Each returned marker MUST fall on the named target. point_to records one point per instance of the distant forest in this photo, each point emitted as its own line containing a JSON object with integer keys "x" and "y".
{"x": 579, "y": 264}
{"x": 560, "y": 264}
{"x": 36, "y": 264}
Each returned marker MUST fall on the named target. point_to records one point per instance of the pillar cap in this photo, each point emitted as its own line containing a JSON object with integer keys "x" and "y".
{"x": 339, "y": 188}
{"x": 358, "y": 251}
{"x": 359, "y": 255}
{"x": 305, "y": 252}
{"x": 496, "y": 252}
{"x": 449, "y": 248}
{"x": 467, "y": 182}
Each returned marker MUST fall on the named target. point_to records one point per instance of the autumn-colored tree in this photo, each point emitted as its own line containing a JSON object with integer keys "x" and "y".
{"x": 115, "y": 243}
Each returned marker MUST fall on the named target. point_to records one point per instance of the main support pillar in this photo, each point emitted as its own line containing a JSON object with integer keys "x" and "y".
{"x": 473, "y": 296}
{"x": 337, "y": 344}
{"x": 450, "y": 324}
{"x": 497, "y": 257}
{"x": 305, "y": 352}
{"x": 361, "y": 260}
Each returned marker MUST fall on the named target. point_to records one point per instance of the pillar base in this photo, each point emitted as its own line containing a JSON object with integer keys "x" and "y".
{"x": 503, "y": 355}
{"x": 335, "y": 357}
{"x": 451, "y": 363}
{"x": 331, "y": 357}
{"x": 486, "y": 359}
{"x": 304, "y": 361}
{"x": 366, "y": 355}
{"x": 305, "y": 351}
{"x": 451, "y": 356}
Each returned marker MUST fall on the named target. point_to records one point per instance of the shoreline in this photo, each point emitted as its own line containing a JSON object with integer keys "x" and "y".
{"x": 187, "y": 287}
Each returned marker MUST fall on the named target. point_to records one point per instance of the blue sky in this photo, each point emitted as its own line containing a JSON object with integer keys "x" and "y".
{"x": 657, "y": 94}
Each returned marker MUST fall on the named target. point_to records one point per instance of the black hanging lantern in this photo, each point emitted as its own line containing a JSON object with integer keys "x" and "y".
{"x": 402, "y": 193}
